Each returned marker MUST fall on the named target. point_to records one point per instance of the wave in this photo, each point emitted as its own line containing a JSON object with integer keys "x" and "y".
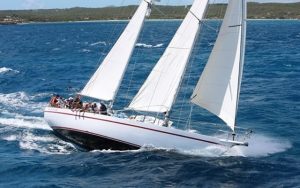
{"x": 85, "y": 50}
{"x": 149, "y": 45}
{"x": 55, "y": 49}
{"x": 47, "y": 144}
{"x": 20, "y": 121}
{"x": 22, "y": 101}
{"x": 33, "y": 133}
{"x": 211, "y": 44}
{"x": 259, "y": 146}
{"x": 4, "y": 70}
{"x": 97, "y": 43}
{"x": 16, "y": 99}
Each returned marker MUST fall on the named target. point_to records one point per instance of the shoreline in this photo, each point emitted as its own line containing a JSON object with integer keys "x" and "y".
{"x": 149, "y": 20}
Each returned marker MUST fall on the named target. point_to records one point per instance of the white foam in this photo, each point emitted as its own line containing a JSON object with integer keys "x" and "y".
{"x": 4, "y": 70}
{"x": 20, "y": 100}
{"x": 259, "y": 146}
{"x": 44, "y": 144}
{"x": 14, "y": 99}
{"x": 149, "y": 45}
{"x": 85, "y": 50}
{"x": 41, "y": 95}
{"x": 100, "y": 42}
{"x": 55, "y": 49}
{"x": 10, "y": 138}
{"x": 26, "y": 122}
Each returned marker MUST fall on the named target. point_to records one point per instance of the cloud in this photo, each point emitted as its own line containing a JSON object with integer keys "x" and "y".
{"x": 32, "y": 4}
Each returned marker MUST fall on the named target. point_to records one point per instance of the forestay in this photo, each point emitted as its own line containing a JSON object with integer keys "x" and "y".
{"x": 219, "y": 85}
{"x": 106, "y": 81}
{"x": 160, "y": 89}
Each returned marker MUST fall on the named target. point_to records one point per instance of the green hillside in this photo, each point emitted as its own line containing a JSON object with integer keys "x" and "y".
{"x": 255, "y": 11}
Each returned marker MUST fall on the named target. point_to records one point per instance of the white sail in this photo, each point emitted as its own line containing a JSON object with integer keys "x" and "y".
{"x": 160, "y": 89}
{"x": 219, "y": 85}
{"x": 106, "y": 81}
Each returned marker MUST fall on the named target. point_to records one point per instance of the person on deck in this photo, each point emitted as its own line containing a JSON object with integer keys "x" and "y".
{"x": 103, "y": 109}
{"x": 54, "y": 100}
{"x": 77, "y": 102}
{"x": 95, "y": 108}
{"x": 60, "y": 102}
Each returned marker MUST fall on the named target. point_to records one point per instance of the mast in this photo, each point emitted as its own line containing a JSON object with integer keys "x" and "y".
{"x": 218, "y": 88}
{"x": 105, "y": 82}
{"x": 159, "y": 91}
{"x": 242, "y": 55}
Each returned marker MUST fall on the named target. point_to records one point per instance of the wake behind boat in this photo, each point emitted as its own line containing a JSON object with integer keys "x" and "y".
{"x": 217, "y": 90}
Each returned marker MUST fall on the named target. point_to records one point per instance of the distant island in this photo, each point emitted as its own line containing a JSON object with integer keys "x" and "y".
{"x": 215, "y": 11}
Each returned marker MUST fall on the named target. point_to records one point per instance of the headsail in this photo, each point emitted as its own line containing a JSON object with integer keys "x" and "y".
{"x": 160, "y": 89}
{"x": 219, "y": 85}
{"x": 106, "y": 81}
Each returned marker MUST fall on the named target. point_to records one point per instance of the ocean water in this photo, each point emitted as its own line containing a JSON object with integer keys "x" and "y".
{"x": 37, "y": 60}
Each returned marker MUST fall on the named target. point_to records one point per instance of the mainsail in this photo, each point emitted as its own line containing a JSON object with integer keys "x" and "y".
{"x": 161, "y": 87}
{"x": 106, "y": 81}
{"x": 219, "y": 85}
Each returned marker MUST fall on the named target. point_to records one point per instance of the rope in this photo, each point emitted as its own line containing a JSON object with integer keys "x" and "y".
{"x": 134, "y": 67}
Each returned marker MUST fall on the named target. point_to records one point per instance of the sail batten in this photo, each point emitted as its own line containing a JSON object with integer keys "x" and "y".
{"x": 219, "y": 85}
{"x": 159, "y": 91}
{"x": 105, "y": 82}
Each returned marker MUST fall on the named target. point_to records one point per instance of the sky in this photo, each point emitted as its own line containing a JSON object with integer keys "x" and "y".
{"x": 49, "y": 4}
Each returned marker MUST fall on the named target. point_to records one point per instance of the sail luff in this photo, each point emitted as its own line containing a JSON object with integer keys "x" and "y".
{"x": 242, "y": 55}
{"x": 105, "y": 82}
{"x": 219, "y": 85}
{"x": 160, "y": 89}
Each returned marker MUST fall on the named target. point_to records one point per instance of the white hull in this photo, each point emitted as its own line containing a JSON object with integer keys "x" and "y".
{"x": 95, "y": 131}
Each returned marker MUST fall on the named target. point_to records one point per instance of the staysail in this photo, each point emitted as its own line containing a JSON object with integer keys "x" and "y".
{"x": 219, "y": 85}
{"x": 160, "y": 89}
{"x": 106, "y": 81}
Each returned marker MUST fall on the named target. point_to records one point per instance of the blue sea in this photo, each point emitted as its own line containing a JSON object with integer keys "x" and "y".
{"x": 37, "y": 60}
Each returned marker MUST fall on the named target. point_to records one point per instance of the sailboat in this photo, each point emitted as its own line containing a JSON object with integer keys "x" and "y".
{"x": 216, "y": 91}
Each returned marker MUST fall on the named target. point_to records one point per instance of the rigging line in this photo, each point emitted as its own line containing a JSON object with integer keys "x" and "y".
{"x": 182, "y": 80}
{"x": 206, "y": 16}
{"x": 190, "y": 11}
{"x": 102, "y": 54}
{"x": 201, "y": 38}
{"x": 113, "y": 32}
{"x": 158, "y": 10}
{"x": 191, "y": 58}
{"x": 155, "y": 89}
{"x": 136, "y": 59}
{"x": 138, "y": 51}
{"x": 221, "y": 13}
{"x": 179, "y": 48}
{"x": 188, "y": 123}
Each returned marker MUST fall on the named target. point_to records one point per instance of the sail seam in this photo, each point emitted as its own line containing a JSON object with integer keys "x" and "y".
{"x": 239, "y": 25}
